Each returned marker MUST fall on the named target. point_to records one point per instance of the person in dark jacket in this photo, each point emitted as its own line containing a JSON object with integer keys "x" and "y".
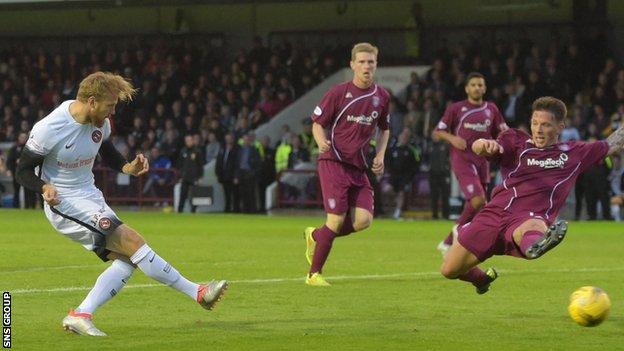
{"x": 248, "y": 165}
{"x": 191, "y": 166}
{"x": 227, "y": 162}
{"x": 30, "y": 198}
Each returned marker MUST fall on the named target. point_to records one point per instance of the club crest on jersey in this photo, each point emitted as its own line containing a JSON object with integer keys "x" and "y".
{"x": 549, "y": 162}
{"x": 376, "y": 101}
{"x": 96, "y": 136}
{"x": 349, "y": 95}
{"x": 104, "y": 223}
{"x": 318, "y": 111}
{"x": 464, "y": 109}
{"x": 331, "y": 203}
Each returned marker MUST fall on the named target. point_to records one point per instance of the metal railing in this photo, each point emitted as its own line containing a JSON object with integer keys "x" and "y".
{"x": 123, "y": 189}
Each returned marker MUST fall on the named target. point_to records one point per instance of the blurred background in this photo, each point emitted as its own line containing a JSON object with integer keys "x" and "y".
{"x": 219, "y": 78}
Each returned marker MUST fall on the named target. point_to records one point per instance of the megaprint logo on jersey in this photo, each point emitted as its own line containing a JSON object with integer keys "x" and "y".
{"x": 549, "y": 162}
{"x": 478, "y": 127}
{"x": 362, "y": 119}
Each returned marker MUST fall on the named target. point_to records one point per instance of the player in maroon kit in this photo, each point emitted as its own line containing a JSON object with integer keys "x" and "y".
{"x": 344, "y": 122}
{"x": 539, "y": 172}
{"x": 462, "y": 123}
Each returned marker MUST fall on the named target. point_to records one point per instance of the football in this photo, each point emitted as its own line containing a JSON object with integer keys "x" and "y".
{"x": 589, "y": 306}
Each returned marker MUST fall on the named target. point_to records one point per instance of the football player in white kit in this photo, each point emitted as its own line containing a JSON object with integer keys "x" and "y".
{"x": 64, "y": 145}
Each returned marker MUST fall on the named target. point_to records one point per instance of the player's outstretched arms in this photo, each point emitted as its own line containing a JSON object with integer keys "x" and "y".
{"x": 616, "y": 141}
{"x": 319, "y": 136}
{"x": 486, "y": 147}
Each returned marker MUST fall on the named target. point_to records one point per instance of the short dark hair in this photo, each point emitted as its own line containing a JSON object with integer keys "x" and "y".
{"x": 473, "y": 75}
{"x": 552, "y": 105}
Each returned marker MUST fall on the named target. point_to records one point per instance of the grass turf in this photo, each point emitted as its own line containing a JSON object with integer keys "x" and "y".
{"x": 387, "y": 293}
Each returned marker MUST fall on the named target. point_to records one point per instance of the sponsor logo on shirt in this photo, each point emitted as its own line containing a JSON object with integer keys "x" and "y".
{"x": 464, "y": 109}
{"x": 549, "y": 162}
{"x": 362, "y": 119}
{"x": 488, "y": 113}
{"x": 478, "y": 127}
{"x": 349, "y": 95}
{"x": 76, "y": 164}
{"x": 442, "y": 125}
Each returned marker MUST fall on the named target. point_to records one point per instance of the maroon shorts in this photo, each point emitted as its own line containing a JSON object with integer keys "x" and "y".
{"x": 344, "y": 186}
{"x": 491, "y": 233}
{"x": 472, "y": 179}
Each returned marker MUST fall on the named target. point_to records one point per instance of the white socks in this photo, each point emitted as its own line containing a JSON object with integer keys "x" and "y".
{"x": 156, "y": 268}
{"x": 107, "y": 285}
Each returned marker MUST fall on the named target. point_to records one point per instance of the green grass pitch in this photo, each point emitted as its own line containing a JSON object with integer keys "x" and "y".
{"x": 387, "y": 293}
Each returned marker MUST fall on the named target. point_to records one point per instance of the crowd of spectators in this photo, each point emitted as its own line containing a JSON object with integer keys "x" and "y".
{"x": 195, "y": 90}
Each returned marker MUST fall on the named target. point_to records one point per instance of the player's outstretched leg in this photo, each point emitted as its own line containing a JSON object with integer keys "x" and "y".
{"x": 534, "y": 244}
{"x": 126, "y": 240}
{"x": 459, "y": 263}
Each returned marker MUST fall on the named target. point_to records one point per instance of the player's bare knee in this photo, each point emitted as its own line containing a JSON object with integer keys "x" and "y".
{"x": 448, "y": 271}
{"x": 362, "y": 223}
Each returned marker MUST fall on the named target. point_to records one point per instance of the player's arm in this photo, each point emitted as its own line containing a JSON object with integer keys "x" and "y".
{"x": 486, "y": 147}
{"x": 382, "y": 143}
{"x": 25, "y": 175}
{"x": 616, "y": 141}
{"x": 457, "y": 141}
{"x": 319, "y": 136}
{"x": 116, "y": 161}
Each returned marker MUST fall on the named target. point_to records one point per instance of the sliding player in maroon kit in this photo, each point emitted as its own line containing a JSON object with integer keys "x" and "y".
{"x": 538, "y": 172}
{"x": 462, "y": 123}
{"x": 344, "y": 122}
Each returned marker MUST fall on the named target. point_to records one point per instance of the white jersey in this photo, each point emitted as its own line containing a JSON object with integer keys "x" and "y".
{"x": 70, "y": 148}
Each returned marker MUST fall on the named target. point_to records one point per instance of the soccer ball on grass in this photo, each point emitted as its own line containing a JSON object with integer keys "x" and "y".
{"x": 589, "y": 306}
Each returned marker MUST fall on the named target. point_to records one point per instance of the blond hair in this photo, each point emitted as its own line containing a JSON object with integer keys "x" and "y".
{"x": 363, "y": 47}
{"x": 101, "y": 84}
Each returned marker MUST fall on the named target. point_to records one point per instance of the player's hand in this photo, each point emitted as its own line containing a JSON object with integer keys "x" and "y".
{"x": 458, "y": 143}
{"x": 492, "y": 147}
{"x": 378, "y": 165}
{"x": 137, "y": 167}
{"x": 323, "y": 147}
{"x": 50, "y": 195}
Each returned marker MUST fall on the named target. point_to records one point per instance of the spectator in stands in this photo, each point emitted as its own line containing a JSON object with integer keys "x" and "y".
{"x": 226, "y": 171}
{"x": 267, "y": 171}
{"x": 402, "y": 163}
{"x": 615, "y": 181}
{"x": 248, "y": 164}
{"x": 439, "y": 177}
{"x": 298, "y": 153}
{"x": 191, "y": 165}
{"x": 212, "y": 147}
{"x": 159, "y": 175}
{"x": 30, "y": 198}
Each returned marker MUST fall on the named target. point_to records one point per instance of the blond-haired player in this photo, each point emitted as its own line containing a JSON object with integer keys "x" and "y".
{"x": 64, "y": 145}
{"x": 343, "y": 124}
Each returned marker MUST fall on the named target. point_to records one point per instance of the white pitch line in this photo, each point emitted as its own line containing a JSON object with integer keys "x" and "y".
{"x": 342, "y": 277}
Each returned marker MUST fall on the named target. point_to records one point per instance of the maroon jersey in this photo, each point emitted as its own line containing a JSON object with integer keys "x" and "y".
{"x": 537, "y": 181}
{"x": 351, "y": 115}
{"x": 470, "y": 122}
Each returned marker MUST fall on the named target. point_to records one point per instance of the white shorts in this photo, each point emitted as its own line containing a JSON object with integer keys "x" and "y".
{"x": 84, "y": 217}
